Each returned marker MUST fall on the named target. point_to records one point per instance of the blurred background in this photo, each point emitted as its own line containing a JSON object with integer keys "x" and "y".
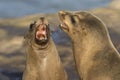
{"x": 16, "y": 15}
{"x": 18, "y": 8}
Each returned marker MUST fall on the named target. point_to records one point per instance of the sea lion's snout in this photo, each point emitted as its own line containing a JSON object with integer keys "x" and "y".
{"x": 62, "y": 16}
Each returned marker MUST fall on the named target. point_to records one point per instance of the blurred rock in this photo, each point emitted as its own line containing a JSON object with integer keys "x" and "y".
{"x": 3, "y": 77}
{"x": 3, "y": 33}
{"x": 115, "y": 4}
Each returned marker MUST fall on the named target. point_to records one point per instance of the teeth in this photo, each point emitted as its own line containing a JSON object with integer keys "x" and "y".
{"x": 61, "y": 24}
{"x": 43, "y": 38}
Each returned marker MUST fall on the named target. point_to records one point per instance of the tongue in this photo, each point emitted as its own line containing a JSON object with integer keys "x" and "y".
{"x": 41, "y": 33}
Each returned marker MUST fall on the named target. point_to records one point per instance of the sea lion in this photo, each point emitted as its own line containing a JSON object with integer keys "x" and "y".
{"x": 43, "y": 61}
{"x": 95, "y": 55}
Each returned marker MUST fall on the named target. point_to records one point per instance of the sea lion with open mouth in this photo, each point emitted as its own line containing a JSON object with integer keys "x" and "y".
{"x": 95, "y": 56}
{"x": 43, "y": 61}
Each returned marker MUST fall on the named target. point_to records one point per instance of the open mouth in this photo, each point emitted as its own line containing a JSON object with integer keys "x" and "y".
{"x": 64, "y": 27}
{"x": 41, "y": 34}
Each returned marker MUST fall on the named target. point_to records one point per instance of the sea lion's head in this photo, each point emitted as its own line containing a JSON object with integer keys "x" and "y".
{"x": 81, "y": 24}
{"x": 39, "y": 33}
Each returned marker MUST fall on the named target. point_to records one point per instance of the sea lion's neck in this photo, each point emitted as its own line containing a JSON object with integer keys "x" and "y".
{"x": 89, "y": 46}
{"x": 36, "y": 55}
{"x": 45, "y": 62}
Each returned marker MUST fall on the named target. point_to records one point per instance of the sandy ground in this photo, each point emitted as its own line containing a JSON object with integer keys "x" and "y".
{"x": 12, "y": 49}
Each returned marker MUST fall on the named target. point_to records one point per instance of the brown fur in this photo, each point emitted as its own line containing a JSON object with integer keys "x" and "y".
{"x": 95, "y": 56}
{"x": 43, "y": 61}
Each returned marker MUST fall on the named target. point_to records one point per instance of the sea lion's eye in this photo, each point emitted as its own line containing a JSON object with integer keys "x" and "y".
{"x": 32, "y": 25}
{"x": 72, "y": 20}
